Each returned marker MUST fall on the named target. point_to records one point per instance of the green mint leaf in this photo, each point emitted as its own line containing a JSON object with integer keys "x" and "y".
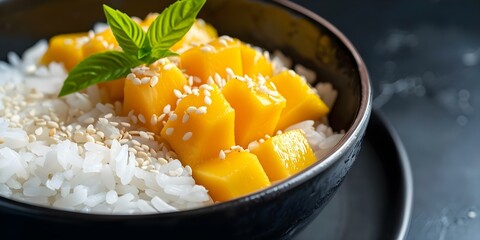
{"x": 129, "y": 35}
{"x": 98, "y": 68}
{"x": 172, "y": 24}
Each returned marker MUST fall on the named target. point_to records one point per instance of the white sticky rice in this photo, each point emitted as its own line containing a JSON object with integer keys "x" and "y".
{"x": 75, "y": 153}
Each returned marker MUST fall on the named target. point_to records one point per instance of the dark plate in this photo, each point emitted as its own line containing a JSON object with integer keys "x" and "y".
{"x": 375, "y": 200}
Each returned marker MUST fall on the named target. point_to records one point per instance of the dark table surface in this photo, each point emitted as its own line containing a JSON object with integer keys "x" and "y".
{"x": 423, "y": 57}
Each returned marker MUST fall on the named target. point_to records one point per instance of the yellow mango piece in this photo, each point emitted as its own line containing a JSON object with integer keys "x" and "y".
{"x": 200, "y": 33}
{"x": 207, "y": 60}
{"x": 65, "y": 48}
{"x": 148, "y": 101}
{"x": 101, "y": 42}
{"x": 254, "y": 62}
{"x": 303, "y": 103}
{"x": 283, "y": 155}
{"x": 237, "y": 175}
{"x": 104, "y": 41}
{"x": 203, "y": 126}
{"x": 257, "y": 108}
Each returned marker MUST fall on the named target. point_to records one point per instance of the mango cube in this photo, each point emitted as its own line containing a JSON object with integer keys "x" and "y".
{"x": 148, "y": 100}
{"x": 283, "y": 155}
{"x": 65, "y": 48}
{"x": 257, "y": 108}
{"x": 254, "y": 62}
{"x": 238, "y": 174}
{"x": 303, "y": 103}
{"x": 203, "y": 125}
{"x": 213, "y": 59}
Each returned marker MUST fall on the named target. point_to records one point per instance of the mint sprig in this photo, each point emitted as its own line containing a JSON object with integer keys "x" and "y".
{"x": 138, "y": 47}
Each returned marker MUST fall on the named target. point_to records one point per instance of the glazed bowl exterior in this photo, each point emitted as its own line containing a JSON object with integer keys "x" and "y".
{"x": 278, "y": 212}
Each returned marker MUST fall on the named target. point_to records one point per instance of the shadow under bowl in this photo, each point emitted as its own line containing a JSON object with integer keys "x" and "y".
{"x": 278, "y": 212}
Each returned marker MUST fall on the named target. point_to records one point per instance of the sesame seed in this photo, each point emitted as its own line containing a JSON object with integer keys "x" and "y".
{"x": 221, "y": 155}
{"x": 108, "y": 115}
{"x": 201, "y": 110}
{"x": 53, "y": 124}
{"x": 230, "y": 72}
{"x": 177, "y": 93}
{"x": 39, "y": 131}
{"x": 185, "y": 118}
{"x": 168, "y": 66}
{"x": 144, "y": 135}
{"x": 161, "y": 117}
{"x": 134, "y": 119}
{"x": 187, "y": 89}
{"x": 207, "y": 100}
{"x": 141, "y": 118}
{"x": 153, "y": 120}
{"x": 169, "y": 131}
{"x": 89, "y": 120}
{"x": 102, "y": 120}
{"x": 197, "y": 79}
{"x": 90, "y": 138}
{"x": 226, "y": 38}
{"x": 207, "y": 49}
{"x": 153, "y": 81}
{"x": 173, "y": 117}
{"x": 166, "y": 109}
{"x": 125, "y": 124}
{"x": 145, "y": 80}
{"x": 136, "y": 81}
{"x": 191, "y": 109}
{"x": 187, "y": 136}
{"x": 123, "y": 141}
{"x": 223, "y": 42}
{"x": 136, "y": 143}
{"x": 291, "y": 73}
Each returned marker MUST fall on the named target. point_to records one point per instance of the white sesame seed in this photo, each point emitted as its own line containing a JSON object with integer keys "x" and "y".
{"x": 161, "y": 117}
{"x": 136, "y": 81}
{"x": 187, "y": 89}
{"x": 102, "y": 120}
{"x": 187, "y": 136}
{"x": 201, "y": 110}
{"x": 144, "y": 135}
{"x": 230, "y": 72}
{"x": 207, "y": 100}
{"x": 169, "y": 131}
{"x": 221, "y": 155}
{"x": 291, "y": 73}
{"x": 173, "y": 117}
{"x": 191, "y": 109}
{"x": 207, "y": 49}
{"x": 153, "y": 120}
{"x": 89, "y": 120}
{"x": 177, "y": 93}
{"x": 223, "y": 42}
{"x": 39, "y": 131}
{"x": 134, "y": 119}
{"x": 197, "y": 79}
{"x": 125, "y": 124}
{"x": 52, "y": 124}
{"x": 153, "y": 81}
{"x": 168, "y": 66}
{"x": 166, "y": 109}
{"x": 226, "y": 38}
{"x": 108, "y": 115}
{"x": 141, "y": 118}
{"x": 145, "y": 80}
{"x": 185, "y": 118}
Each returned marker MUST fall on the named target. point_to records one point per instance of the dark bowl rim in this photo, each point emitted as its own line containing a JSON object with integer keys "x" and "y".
{"x": 356, "y": 131}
